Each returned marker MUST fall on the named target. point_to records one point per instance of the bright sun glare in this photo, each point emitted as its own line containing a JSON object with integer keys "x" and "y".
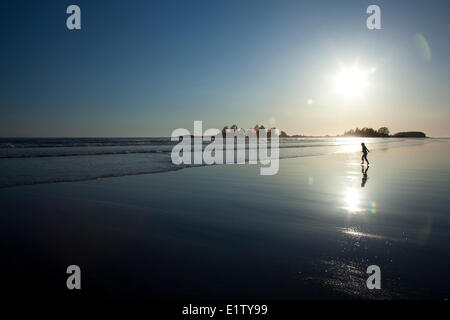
{"x": 352, "y": 201}
{"x": 351, "y": 82}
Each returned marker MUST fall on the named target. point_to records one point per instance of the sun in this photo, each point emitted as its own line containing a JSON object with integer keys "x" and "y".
{"x": 351, "y": 82}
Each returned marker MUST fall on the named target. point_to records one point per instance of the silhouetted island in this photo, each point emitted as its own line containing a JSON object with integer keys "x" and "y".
{"x": 382, "y": 132}
{"x": 410, "y": 134}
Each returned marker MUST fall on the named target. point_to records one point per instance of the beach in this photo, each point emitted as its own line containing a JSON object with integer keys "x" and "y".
{"x": 226, "y": 232}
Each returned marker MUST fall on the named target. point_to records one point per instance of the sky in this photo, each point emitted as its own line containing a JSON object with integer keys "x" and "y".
{"x": 145, "y": 68}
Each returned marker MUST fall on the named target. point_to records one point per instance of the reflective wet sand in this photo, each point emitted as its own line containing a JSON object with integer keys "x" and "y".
{"x": 309, "y": 232}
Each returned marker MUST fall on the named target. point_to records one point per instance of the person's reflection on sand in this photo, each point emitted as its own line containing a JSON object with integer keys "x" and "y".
{"x": 364, "y": 177}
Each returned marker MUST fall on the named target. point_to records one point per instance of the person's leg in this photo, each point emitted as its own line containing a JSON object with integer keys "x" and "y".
{"x": 365, "y": 157}
{"x": 362, "y": 159}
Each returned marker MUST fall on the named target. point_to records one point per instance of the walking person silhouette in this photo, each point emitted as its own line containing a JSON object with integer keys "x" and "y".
{"x": 364, "y": 155}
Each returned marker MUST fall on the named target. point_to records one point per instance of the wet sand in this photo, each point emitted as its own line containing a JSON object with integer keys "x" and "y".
{"x": 308, "y": 232}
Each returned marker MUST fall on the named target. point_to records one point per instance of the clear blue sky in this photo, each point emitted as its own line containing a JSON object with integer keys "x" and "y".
{"x": 145, "y": 68}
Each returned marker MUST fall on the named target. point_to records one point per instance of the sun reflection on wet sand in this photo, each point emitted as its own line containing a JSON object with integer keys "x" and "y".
{"x": 352, "y": 201}
{"x": 356, "y": 234}
{"x": 349, "y": 148}
{"x": 355, "y": 198}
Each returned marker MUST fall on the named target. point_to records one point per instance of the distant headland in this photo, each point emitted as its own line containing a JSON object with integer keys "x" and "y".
{"x": 365, "y": 132}
{"x": 382, "y": 132}
{"x": 410, "y": 134}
